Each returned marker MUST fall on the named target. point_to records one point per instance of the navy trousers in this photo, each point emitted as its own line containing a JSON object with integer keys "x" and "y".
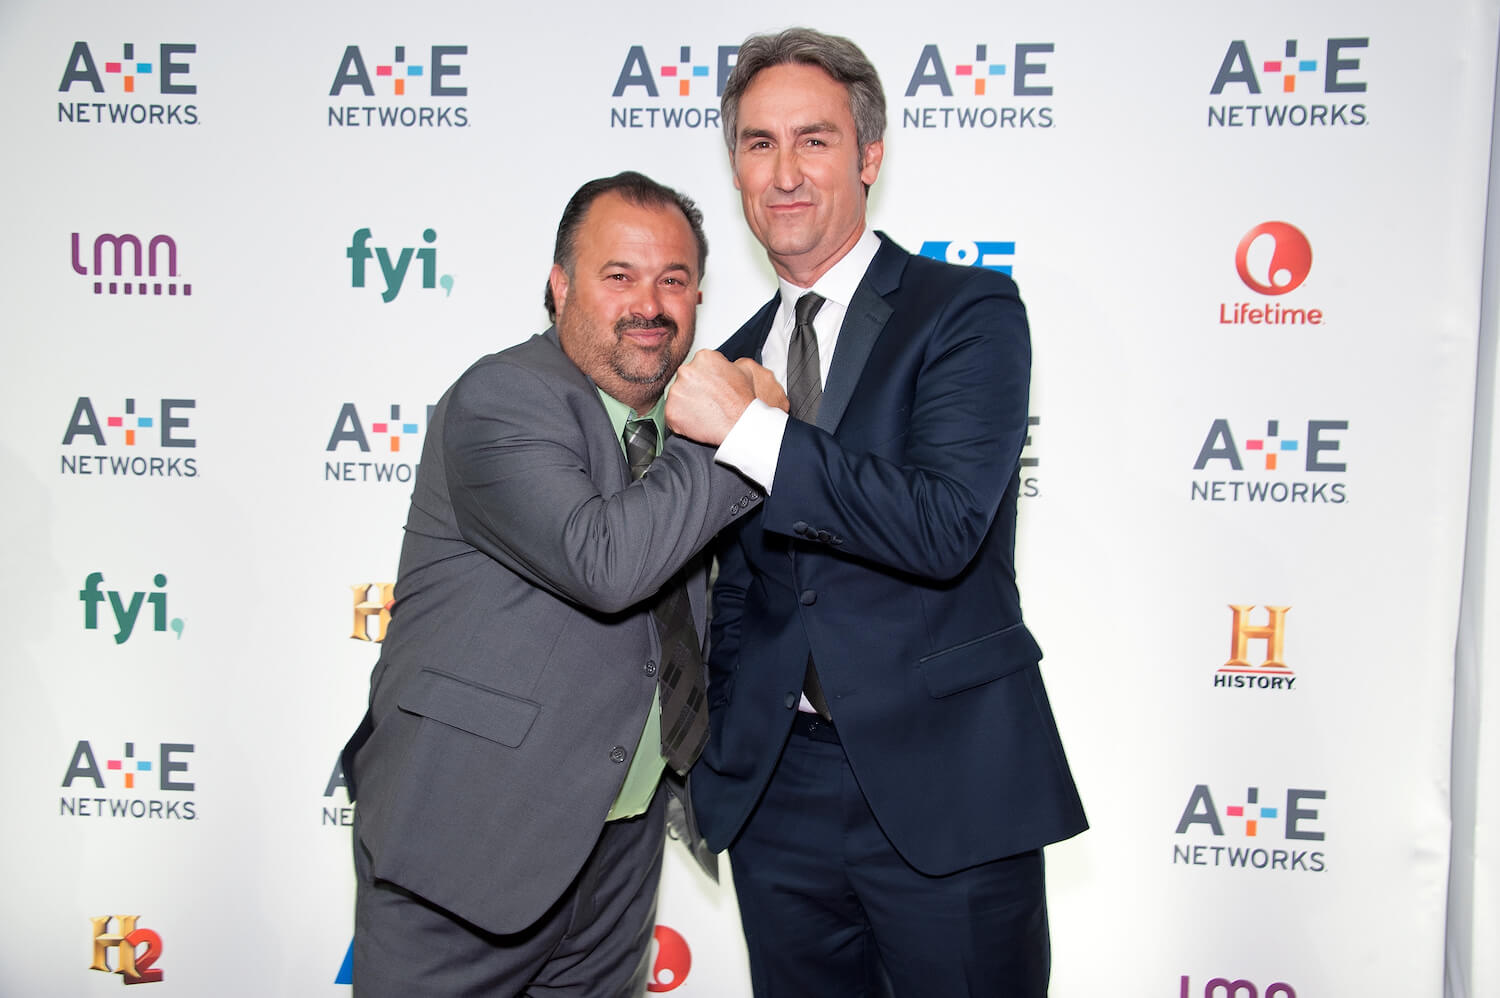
{"x": 831, "y": 909}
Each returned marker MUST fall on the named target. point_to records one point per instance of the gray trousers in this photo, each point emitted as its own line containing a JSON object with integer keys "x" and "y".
{"x": 594, "y": 942}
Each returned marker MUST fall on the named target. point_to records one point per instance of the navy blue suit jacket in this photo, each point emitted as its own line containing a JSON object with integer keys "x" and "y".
{"x": 886, "y": 549}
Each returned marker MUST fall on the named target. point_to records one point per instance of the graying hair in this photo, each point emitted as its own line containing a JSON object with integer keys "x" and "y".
{"x": 838, "y": 57}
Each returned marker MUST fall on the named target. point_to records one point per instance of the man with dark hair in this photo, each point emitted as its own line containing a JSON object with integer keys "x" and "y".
{"x": 886, "y": 837}
{"x": 541, "y": 681}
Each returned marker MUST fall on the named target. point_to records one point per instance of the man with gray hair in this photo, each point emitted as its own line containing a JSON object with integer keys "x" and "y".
{"x": 882, "y": 763}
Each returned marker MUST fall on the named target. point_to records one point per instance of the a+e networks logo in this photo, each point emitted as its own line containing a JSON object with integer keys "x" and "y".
{"x": 392, "y": 441}
{"x": 1281, "y": 84}
{"x": 126, "y": 431}
{"x": 1254, "y": 819}
{"x": 1272, "y": 259}
{"x": 138, "y": 768}
{"x": 684, "y": 88}
{"x": 136, "y": 71}
{"x": 1281, "y": 465}
{"x": 409, "y": 88}
{"x": 122, "y": 934}
{"x": 980, "y": 86}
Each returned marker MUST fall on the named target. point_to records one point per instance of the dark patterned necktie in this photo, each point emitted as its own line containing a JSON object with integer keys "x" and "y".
{"x": 804, "y": 378}
{"x": 804, "y": 390}
{"x": 684, "y": 719}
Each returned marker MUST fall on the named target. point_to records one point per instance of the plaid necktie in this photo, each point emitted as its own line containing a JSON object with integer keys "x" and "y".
{"x": 804, "y": 390}
{"x": 684, "y": 718}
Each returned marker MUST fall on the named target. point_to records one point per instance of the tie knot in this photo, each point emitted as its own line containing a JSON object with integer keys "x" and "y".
{"x": 640, "y": 438}
{"x": 807, "y": 307}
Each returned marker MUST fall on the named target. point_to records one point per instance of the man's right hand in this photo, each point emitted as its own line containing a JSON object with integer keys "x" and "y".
{"x": 710, "y": 394}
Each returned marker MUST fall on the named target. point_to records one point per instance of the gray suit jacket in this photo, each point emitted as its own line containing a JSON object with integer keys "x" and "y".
{"x": 520, "y": 660}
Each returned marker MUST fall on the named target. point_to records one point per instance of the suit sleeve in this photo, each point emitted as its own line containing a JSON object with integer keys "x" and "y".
{"x": 927, "y": 514}
{"x": 517, "y": 468}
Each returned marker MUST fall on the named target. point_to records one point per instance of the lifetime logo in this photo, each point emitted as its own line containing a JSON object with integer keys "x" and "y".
{"x": 1272, "y": 672}
{"x": 118, "y": 245}
{"x": 132, "y": 966}
{"x": 671, "y": 959}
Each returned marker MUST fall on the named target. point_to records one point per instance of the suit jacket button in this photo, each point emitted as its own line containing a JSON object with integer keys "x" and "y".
{"x": 791, "y": 700}
{"x": 650, "y": 668}
{"x": 617, "y": 754}
{"x": 824, "y": 536}
{"x": 808, "y": 597}
{"x": 800, "y": 528}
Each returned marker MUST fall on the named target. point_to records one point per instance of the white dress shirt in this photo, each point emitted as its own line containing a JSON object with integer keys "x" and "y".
{"x": 754, "y": 443}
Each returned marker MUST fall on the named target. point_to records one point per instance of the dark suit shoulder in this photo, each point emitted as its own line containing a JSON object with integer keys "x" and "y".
{"x": 747, "y": 339}
{"x": 941, "y": 279}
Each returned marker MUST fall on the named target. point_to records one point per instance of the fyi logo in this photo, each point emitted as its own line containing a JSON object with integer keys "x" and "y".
{"x": 993, "y": 255}
{"x": 394, "y": 264}
{"x": 132, "y": 964}
{"x": 126, "y": 607}
{"x": 159, "y": 255}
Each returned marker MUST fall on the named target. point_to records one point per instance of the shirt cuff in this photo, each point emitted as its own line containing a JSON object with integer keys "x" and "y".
{"x": 754, "y": 444}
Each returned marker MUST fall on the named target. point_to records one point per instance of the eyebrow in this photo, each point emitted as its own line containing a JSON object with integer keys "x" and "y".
{"x": 626, "y": 265}
{"x": 811, "y": 128}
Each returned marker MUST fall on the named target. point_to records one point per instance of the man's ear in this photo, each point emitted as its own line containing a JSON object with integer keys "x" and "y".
{"x": 558, "y": 281}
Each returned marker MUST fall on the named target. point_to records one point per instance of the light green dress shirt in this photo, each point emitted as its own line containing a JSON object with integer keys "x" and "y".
{"x": 646, "y": 765}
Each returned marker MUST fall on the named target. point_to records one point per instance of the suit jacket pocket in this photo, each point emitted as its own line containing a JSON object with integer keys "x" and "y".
{"x": 979, "y": 660}
{"x": 476, "y": 709}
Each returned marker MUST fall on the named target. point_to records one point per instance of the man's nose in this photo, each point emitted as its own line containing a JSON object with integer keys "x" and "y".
{"x": 788, "y": 173}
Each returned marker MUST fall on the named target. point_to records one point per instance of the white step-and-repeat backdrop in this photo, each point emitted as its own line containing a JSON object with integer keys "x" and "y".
{"x": 248, "y": 246}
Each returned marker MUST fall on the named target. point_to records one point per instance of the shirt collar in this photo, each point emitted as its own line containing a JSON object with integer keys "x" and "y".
{"x": 842, "y": 279}
{"x": 620, "y": 413}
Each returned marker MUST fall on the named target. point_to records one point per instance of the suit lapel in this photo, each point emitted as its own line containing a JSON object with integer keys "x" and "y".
{"x": 863, "y": 322}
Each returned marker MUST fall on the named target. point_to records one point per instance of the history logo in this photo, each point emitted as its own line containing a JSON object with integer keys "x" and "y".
{"x": 119, "y": 83}
{"x": 1242, "y": 671}
{"x": 980, "y": 85}
{"x": 671, "y": 86}
{"x": 1275, "y": 461}
{"x": 399, "y": 86}
{"x": 1291, "y": 83}
{"x": 113, "y": 440}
